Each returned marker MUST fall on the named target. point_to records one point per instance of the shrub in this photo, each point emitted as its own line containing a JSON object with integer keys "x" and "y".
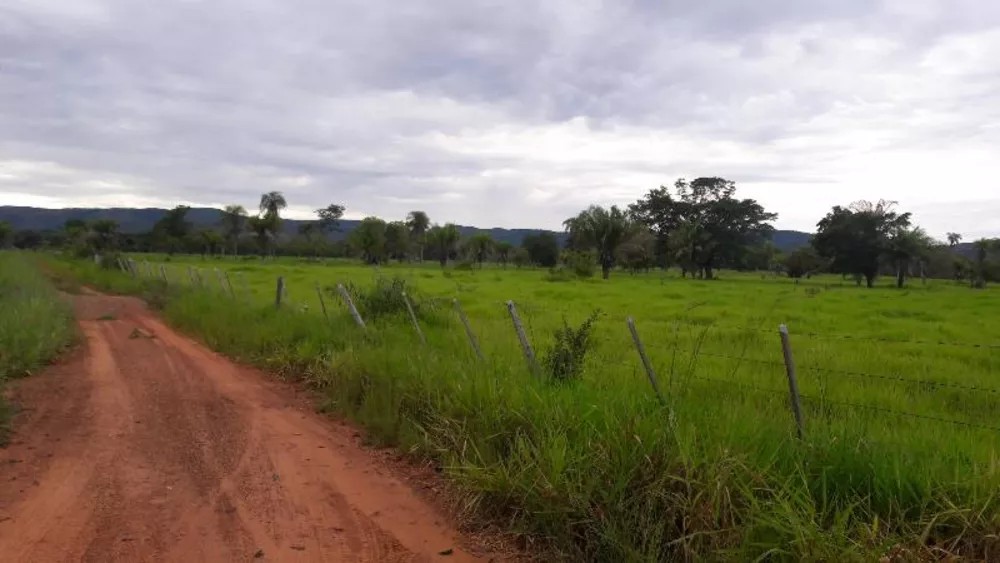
{"x": 465, "y": 266}
{"x": 582, "y": 263}
{"x": 564, "y": 360}
{"x": 559, "y": 274}
{"x": 385, "y": 298}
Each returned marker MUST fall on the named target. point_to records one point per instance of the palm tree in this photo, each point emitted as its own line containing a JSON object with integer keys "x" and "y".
{"x": 905, "y": 246}
{"x": 272, "y": 204}
{"x": 603, "y": 230}
{"x": 954, "y": 239}
{"x": 418, "y": 222}
{"x": 261, "y": 228}
{"x": 443, "y": 240}
{"x": 233, "y": 221}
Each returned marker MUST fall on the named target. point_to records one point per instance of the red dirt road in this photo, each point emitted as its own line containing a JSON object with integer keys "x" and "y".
{"x": 145, "y": 446}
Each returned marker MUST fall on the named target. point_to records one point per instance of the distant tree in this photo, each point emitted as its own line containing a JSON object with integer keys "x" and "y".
{"x": 982, "y": 266}
{"x": 759, "y": 257}
{"x": 480, "y": 246}
{"x": 542, "y": 249}
{"x": 261, "y": 229}
{"x": 368, "y": 239}
{"x": 443, "y": 239}
{"x": 504, "y": 249}
{"x": 308, "y": 231}
{"x": 855, "y": 239}
{"x": 6, "y": 233}
{"x": 172, "y": 229}
{"x": 418, "y": 223}
{"x": 272, "y": 204}
{"x": 703, "y": 223}
{"x": 210, "y": 241}
{"x": 638, "y": 252}
{"x": 803, "y": 262}
{"x": 906, "y": 246}
{"x": 104, "y": 235}
{"x": 23, "y": 239}
{"x": 519, "y": 256}
{"x": 233, "y": 222}
{"x": 603, "y": 230}
{"x": 397, "y": 240}
{"x": 954, "y": 239}
{"x": 329, "y": 218}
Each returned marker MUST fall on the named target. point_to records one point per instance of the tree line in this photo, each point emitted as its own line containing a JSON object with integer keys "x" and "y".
{"x": 697, "y": 226}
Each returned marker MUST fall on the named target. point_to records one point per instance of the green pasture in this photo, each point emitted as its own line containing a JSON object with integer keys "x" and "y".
{"x": 900, "y": 396}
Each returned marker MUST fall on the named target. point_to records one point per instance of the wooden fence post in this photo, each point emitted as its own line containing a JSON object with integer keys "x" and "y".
{"x": 645, "y": 360}
{"x": 149, "y": 270}
{"x": 246, "y": 288}
{"x": 279, "y": 292}
{"x": 322, "y": 302}
{"x": 229, "y": 284}
{"x": 350, "y": 305}
{"x": 222, "y": 284}
{"x": 793, "y": 384}
{"x": 132, "y": 268}
{"x": 413, "y": 317}
{"x": 191, "y": 279}
{"x": 525, "y": 345}
{"x": 468, "y": 330}
{"x": 163, "y": 274}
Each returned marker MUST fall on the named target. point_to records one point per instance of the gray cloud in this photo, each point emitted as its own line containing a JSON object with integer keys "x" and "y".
{"x": 500, "y": 113}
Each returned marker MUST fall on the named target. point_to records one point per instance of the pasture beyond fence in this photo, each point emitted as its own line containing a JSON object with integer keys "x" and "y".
{"x": 777, "y": 346}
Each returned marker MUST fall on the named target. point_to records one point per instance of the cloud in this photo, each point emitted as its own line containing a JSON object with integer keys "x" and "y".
{"x": 502, "y": 114}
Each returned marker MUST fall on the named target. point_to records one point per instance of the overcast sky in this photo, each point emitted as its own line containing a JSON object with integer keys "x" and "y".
{"x": 509, "y": 113}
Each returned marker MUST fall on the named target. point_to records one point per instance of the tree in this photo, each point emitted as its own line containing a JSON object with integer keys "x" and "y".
{"x": 443, "y": 240}
{"x": 703, "y": 223}
{"x": 639, "y": 251}
{"x": 369, "y": 239}
{"x": 234, "y": 222}
{"x": 803, "y": 262}
{"x": 603, "y": 230}
{"x": 172, "y": 229}
{"x": 272, "y": 204}
{"x": 329, "y": 218}
{"x": 418, "y": 223}
{"x": 504, "y": 249}
{"x": 954, "y": 239}
{"x": 856, "y": 238}
{"x": 261, "y": 229}
{"x": 982, "y": 266}
{"x": 307, "y": 230}
{"x": 209, "y": 241}
{"x": 480, "y": 246}
{"x": 520, "y": 257}
{"x": 104, "y": 235}
{"x": 542, "y": 249}
{"x": 905, "y": 246}
{"x": 397, "y": 240}
{"x": 6, "y": 233}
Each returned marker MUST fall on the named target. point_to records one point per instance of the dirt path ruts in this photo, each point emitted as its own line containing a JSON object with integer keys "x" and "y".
{"x": 145, "y": 446}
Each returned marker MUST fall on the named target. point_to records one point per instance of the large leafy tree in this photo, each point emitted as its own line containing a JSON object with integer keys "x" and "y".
{"x": 233, "y": 222}
{"x": 504, "y": 249}
{"x": 603, "y": 230}
{"x": 541, "y": 249}
{"x": 172, "y": 229}
{"x": 104, "y": 235}
{"x": 907, "y": 246}
{"x": 443, "y": 239}
{"x": 329, "y": 218}
{"x": 480, "y": 247}
{"x": 368, "y": 239}
{"x": 982, "y": 266}
{"x": 703, "y": 224}
{"x": 856, "y": 238}
{"x": 418, "y": 223}
{"x": 397, "y": 240}
{"x": 638, "y": 252}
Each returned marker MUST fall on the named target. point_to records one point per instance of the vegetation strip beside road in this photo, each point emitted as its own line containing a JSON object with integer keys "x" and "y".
{"x": 35, "y": 324}
{"x": 595, "y": 468}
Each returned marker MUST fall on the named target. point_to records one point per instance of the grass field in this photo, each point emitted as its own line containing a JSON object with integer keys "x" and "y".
{"x": 598, "y": 468}
{"x": 35, "y": 324}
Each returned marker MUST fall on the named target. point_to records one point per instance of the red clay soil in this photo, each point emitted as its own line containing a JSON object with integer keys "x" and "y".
{"x": 145, "y": 446}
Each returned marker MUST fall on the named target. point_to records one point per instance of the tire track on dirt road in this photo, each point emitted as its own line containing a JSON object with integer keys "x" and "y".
{"x": 145, "y": 446}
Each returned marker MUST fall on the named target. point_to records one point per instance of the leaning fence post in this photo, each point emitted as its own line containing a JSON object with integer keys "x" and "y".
{"x": 413, "y": 317}
{"x": 163, "y": 274}
{"x": 278, "y": 292}
{"x": 322, "y": 302}
{"x": 246, "y": 288}
{"x": 468, "y": 330}
{"x": 645, "y": 360}
{"x": 218, "y": 276}
{"x": 132, "y": 269}
{"x": 793, "y": 385}
{"x": 350, "y": 305}
{"x": 149, "y": 269}
{"x": 229, "y": 284}
{"x": 525, "y": 345}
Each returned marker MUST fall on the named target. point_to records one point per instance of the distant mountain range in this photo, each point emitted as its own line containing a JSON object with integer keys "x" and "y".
{"x": 142, "y": 220}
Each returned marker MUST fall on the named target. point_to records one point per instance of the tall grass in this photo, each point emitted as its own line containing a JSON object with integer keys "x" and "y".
{"x": 595, "y": 468}
{"x": 35, "y": 323}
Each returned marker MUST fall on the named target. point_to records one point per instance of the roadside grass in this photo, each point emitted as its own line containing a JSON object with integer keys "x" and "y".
{"x": 36, "y": 325}
{"x": 596, "y": 468}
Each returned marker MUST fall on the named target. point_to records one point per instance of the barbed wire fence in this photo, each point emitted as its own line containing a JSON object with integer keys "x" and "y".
{"x": 643, "y": 358}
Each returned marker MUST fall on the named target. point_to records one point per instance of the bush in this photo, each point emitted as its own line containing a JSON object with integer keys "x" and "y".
{"x": 385, "y": 298}
{"x": 564, "y": 360}
{"x": 583, "y": 264}
{"x": 465, "y": 266}
{"x": 559, "y": 274}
